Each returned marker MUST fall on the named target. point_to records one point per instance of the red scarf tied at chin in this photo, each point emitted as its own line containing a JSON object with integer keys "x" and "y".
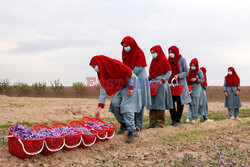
{"x": 204, "y": 71}
{"x": 113, "y": 74}
{"x": 174, "y": 62}
{"x": 232, "y": 80}
{"x": 135, "y": 57}
{"x": 160, "y": 64}
{"x": 192, "y": 73}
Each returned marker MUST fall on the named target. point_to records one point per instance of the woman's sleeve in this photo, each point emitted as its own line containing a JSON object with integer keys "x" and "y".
{"x": 131, "y": 82}
{"x": 166, "y": 77}
{"x": 200, "y": 78}
{"x": 102, "y": 97}
{"x": 225, "y": 85}
{"x": 238, "y": 87}
{"x": 205, "y": 87}
{"x": 137, "y": 70}
{"x": 185, "y": 69}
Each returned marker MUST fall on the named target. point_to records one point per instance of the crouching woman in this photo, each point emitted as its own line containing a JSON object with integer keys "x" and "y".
{"x": 116, "y": 78}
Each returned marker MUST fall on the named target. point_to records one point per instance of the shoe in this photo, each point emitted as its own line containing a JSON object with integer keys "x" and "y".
{"x": 209, "y": 120}
{"x": 138, "y": 129}
{"x": 172, "y": 123}
{"x": 194, "y": 121}
{"x": 231, "y": 117}
{"x": 158, "y": 126}
{"x": 237, "y": 118}
{"x": 176, "y": 124}
{"x": 122, "y": 129}
{"x": 131, "y": 136}
{"x": 187, "y": 120}
{"x": 149, "y": 127}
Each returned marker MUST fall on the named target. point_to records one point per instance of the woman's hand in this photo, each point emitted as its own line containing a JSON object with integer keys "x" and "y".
{"x": 130, "y": 92}
{"x": 98, "y": 113}
{"x": 176, "y": 77}
{"x": 193, "y": 79}
{"x": 226, "y": 94}
{"x": 159, "y": 83}
{"x": 237, "y": 92}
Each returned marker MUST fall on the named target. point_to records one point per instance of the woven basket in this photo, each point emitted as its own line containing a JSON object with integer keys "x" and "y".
{"x": 102, "y": 133}
{"x": 71, "y": 141}
{"x": 176, "y": 89}
{"x": 190, "y": 88}
{"x": 24, "y": 148}
{"x": 154, "y": 86}
{"x": 111, "y": 130}
{"x": 51, "y": 144}
{"x": 87, "y": 140}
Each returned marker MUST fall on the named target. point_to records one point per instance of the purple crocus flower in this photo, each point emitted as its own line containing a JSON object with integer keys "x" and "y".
{"x": 83, "y": 129}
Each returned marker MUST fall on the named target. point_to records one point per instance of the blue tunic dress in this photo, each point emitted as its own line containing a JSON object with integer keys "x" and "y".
{"x": 163, "y": 100}
{"x": 203, "y": 108}
{"x": 196, "y": 90}
{"x": 123, "y": 106}
{"x": 185, "y": 96}
{"x": 232, "y": 101}
{"x": 141, "y": 74}
{"x": 196, "y": 95}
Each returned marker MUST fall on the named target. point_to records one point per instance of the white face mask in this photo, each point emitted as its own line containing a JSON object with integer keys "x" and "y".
{"x": 193, "y": 68}
{"x": 96, "y": 69}
{"x": 172, "y": 55}
{"x": 230, "y": 72}
{"x": 127, "y": 48}
{"x": 154, "y": 55}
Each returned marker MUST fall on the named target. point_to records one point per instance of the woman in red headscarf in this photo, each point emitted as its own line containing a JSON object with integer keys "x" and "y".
{"x": 179, "y": 74}
{"x": 232, "y": 90}
{"x": 116, "y": 78}
{"x": 159, "y": 73}
{"x": 134, "y": 58}
{"x": 195, "y": 78}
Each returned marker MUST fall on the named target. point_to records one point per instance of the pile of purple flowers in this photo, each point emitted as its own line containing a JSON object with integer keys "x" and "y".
{"x": 65, "y": 130}
{"x": 83, "y": 129}
{"x": 48, "y": 133}
{"x": 105, "y": 125}
{"x": 93, "y": 125}
{"x": 25, "y": 132}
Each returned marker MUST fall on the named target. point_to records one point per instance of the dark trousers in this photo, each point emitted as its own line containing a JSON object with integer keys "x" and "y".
{"x": 176, "y": 114}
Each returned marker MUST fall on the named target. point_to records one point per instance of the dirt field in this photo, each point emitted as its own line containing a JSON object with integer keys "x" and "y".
{"x": 203, "y": 145}
{"x": 31, "y": 109}
{"x": 155, "y": 147}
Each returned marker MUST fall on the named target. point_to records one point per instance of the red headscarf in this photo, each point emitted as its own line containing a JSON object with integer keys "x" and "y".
{"x": 204, "y": 70}
{"x": 135, "y": 57}
{"x": 232, "y": 80}
{"x": 193, "y": 73}
{"x": 174, "y": 62}
{"x": 113, "y": 74}
{"x": 160, "y": 64}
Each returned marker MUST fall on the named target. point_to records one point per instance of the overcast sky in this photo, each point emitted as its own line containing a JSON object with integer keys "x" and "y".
{"x": 50, "y": 39}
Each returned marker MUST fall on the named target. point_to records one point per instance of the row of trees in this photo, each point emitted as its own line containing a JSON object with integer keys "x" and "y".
{"x": 56, "y": 86}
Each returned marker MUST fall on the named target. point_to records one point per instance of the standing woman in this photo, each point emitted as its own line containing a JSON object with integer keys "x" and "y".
{"x": 232, "y": 90}
{"x": 117, "y": 78}
{"x": 159, "y": 72}
{"x": 134, "y": 58}
{"x": 195, "y": 77}
{"x": 203, "y": 109}
{"x": 179, "y": 73}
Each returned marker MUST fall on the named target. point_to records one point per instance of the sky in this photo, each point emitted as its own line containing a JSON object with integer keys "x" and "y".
{"x": 55, "y": 39}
